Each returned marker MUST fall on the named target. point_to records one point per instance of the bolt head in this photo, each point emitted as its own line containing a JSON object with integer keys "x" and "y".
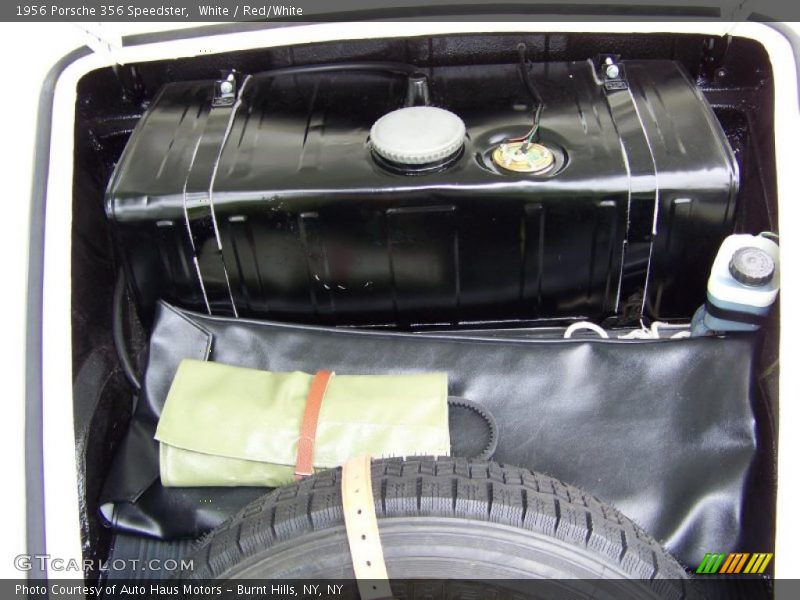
{"x": 226, "y": 87}
{"x": 612, "y": 71}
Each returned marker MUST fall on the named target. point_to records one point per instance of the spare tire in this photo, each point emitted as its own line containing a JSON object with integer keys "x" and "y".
{"x": 443, "y": 518}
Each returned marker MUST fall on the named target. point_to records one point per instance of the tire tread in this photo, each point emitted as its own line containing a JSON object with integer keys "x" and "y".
{"x": 445, "y": 487}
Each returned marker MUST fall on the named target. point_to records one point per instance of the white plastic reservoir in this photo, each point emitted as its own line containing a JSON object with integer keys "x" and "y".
{"x": 743, "y": 285}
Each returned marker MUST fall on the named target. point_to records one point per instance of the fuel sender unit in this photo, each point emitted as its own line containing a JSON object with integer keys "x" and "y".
{"x": 524, "y": 157}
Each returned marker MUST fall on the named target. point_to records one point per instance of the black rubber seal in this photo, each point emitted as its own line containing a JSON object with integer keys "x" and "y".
{"x": 423, "y": 169}
{"x": 735, "y": 315}
{"x": 118, "y": 331}
{"x": 491, "y": 423}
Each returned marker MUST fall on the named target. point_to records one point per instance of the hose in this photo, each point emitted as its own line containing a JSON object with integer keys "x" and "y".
{"x": 526, "y": 78}
{"x": 529, "y": 137}
{"x": 385, "y": 67}
{"x": 118, "y": 331}
{"x": 580, "y": 325}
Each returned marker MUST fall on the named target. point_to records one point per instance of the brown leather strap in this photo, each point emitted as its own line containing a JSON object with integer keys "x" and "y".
{"x": 361, "y": 524}
{"x": 308, "y": 428}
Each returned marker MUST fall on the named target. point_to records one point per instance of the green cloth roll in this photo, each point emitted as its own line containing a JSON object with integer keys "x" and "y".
{"x": 230, "y": 426}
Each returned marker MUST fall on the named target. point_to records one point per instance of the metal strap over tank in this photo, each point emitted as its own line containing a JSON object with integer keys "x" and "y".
{"x": 198, "y": 198}
{"x": 643, "y": 193}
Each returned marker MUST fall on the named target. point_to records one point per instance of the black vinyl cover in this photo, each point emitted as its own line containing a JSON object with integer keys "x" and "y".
{"x": 662, "y": 429}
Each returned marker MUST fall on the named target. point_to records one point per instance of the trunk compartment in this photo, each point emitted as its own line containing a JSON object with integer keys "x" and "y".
{"x": 341, "y": 229}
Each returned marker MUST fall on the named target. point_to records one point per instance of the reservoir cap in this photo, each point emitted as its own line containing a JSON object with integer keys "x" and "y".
{"x": 418, "y": 135}
{"x": 752, "y": 266}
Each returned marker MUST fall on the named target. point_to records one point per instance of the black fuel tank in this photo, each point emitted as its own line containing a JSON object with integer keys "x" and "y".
{"x": 274, "y": 206}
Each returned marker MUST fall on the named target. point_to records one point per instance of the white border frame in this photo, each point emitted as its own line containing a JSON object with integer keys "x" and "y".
{"x": 60, "y": 474}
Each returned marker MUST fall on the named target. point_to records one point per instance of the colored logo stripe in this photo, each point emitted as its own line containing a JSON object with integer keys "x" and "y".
{"x": 734, "y": 563}
{"x": 758, "y": 563}
{"x": 711, "y": 563}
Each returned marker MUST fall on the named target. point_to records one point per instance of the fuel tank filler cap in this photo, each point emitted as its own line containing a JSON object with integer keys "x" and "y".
{"x": 418, "y": 135}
